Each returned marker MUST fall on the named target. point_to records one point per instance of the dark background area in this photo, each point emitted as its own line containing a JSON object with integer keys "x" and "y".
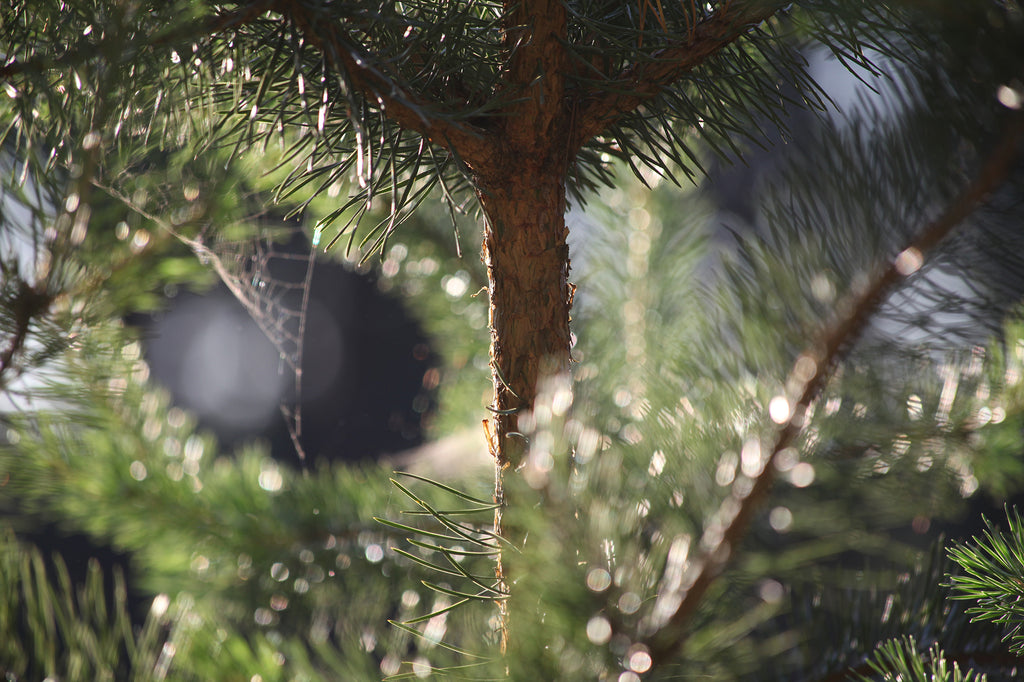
{"x": 364, "y": 358}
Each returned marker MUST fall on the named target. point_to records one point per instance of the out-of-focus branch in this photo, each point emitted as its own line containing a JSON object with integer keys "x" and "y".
{"x": 29, "y": 303}
{"x": 666, "y": 630}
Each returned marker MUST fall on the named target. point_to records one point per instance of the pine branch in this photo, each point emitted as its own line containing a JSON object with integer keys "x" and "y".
{"x": 667, "y": 632}
{"x": 87, "y": 50}
{"x": 642, "y": 81}
{"x": 410, "y": 110}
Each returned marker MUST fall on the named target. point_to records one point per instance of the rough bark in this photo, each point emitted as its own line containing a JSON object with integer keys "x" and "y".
{"x": 527, "y": 263}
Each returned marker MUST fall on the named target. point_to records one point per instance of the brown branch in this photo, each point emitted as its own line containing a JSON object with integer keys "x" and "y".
{"x": 809, "y": 375}
{"x": 642, "y": 81}
{"x": 29, "y": 303}
{"x": 410, "y": 110}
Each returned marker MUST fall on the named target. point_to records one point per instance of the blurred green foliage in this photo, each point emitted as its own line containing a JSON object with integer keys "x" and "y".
{"x": 131, "y": 142}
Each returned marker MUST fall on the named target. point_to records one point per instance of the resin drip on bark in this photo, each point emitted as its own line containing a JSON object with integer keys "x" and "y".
{"x": 527, "y": 261}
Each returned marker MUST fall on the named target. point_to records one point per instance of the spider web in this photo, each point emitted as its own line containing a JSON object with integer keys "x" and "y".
{"x": 270, "y": 274}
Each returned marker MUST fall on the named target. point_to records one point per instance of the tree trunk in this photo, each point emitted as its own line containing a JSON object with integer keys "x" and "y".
{"x": 521, "y": 187}
{"x": 527, "y": 261}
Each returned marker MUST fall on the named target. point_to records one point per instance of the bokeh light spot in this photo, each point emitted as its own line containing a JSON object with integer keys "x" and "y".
{"x": 598, "y": 579}
{"x": 779, "y": 409}
{"x": 802, "y": 475}
{"x": 599, "y": 630}
{"x": 374, "y": 553}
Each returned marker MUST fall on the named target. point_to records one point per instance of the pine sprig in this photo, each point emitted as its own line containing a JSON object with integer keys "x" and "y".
{"x": 901, "y": 659}
{"x": 992, "y": 570}
{"x": 453, "y": 535}
{"x": 53, "y": 628}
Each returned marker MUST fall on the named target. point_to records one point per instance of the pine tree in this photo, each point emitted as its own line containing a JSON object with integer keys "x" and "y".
{"x": 134, "y": 128}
